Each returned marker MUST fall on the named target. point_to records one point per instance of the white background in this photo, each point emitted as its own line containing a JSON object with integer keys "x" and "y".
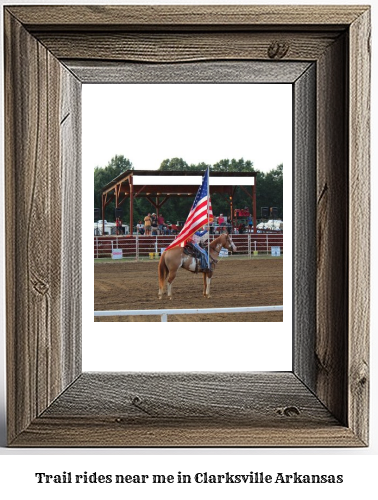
{"x": 196, "y": 122}
{"x": 18, "y": 466}
{"x": 203, "y": 123}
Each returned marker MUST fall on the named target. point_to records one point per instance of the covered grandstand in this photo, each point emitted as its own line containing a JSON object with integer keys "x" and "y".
{"x": 160, "y": 186}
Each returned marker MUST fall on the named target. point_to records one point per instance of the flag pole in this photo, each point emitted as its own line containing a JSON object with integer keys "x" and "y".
{"x": 208, "y": 218}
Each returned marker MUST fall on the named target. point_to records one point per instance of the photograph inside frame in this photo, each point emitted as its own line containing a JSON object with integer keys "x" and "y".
{"x": 188, "y": 200}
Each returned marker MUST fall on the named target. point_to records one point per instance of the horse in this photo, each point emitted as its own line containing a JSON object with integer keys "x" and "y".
{"x": 171, "y": 260}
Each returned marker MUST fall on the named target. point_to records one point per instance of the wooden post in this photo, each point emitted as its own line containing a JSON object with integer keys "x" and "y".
{"x": 131, "y": 205}
{"x": 103, "y": 198}
{"x": 231, "y": 212}
{"x": 254, "y": 206}
{"x": 116, "y": 206}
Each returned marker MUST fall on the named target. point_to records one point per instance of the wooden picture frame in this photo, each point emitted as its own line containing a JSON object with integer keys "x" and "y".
{"x": 323, "y": 401}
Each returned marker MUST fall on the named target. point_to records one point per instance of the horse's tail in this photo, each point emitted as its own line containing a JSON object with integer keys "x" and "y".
{"x": 163, "y": 271}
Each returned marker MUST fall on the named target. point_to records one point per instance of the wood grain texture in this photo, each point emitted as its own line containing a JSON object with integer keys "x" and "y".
{"x": 324, "y": 402}
{"x": 193, "y": 409}
{"x": 70, "y": 161}
{"x": 304, "y": 224}
{"x": 185, "y": 16}
{"x": 34, "y": 246}
{"x": 179, "y": 47}
{"x": 199, "y": 72}
{"x": 110, "y": 432}
{"x": 359, "y": 209}
{"x": 216, "y": 396}
{"x": 331, "y": 351}
{"x": 33, "y": 203}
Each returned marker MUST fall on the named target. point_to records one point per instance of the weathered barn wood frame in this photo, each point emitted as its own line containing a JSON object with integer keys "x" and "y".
{"x": 49, "y": 52}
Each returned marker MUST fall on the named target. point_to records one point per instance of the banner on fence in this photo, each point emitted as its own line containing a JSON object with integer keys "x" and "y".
{"x": 223, "y": 252}
{"x": 276, "y": 251}
{"x": 117, "y": 253}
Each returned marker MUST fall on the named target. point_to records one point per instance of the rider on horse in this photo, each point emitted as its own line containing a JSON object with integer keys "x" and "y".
{"x": 200, "y": 238}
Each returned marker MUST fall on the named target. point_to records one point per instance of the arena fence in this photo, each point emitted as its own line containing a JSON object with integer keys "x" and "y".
{"x": 164, "y": 313}
{"x": 137, "y": 247}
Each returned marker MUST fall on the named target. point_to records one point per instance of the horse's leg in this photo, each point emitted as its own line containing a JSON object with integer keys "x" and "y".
{"x": 170, "y": 268}
{"x": 161, "y": 289}
{"x": 163, "y": 272}
{"x": 171, "y": 277}
{"x": 208, "y": 281}
{"x": 206, "y": 285}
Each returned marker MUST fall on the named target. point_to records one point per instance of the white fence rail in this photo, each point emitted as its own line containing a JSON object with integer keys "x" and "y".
{"x": 164, "y": 313}
{"x": 143, "y": 247}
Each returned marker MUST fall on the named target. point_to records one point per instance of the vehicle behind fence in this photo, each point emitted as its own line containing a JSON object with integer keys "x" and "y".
{"x": 149, "y": 247}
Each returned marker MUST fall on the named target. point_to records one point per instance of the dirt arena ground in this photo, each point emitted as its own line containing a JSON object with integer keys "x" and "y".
{"x": 134, "y": 285}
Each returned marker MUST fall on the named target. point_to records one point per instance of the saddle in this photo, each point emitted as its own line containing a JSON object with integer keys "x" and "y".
{"x": 201, "y": 264}
{"x": 190, "y": 249}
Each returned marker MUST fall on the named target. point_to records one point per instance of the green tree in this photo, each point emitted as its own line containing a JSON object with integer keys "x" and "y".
{"x": 233, "y": 166}
{"x": 174, "y": 164}
{"x": 200, "y": 166}
{"x": 180, "y": 165}
{"x": 103, "y": 175}
{"x": 270, "y": 190}
{"x": 221, "y": 203}
{"x": 177, "y": 208}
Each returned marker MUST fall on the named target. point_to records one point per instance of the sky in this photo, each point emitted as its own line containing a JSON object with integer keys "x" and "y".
{"x": 148, "y": 123}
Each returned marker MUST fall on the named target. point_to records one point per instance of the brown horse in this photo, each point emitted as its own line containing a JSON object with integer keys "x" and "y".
{"x": 172, "y": 260}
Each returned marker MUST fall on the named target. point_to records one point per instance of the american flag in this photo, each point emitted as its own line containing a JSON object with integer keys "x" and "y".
{"x": 200, "y": 213}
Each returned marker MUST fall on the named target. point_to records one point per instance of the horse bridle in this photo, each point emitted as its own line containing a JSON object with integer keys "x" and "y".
{"x": 229, "y": 241}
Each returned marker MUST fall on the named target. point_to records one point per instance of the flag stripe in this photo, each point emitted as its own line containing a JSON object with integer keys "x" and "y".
{"x": 192, "y": 228}
{"x": 200, "y": 213}
{"x": 202, "y": 204}
{"x": 197, "y": 213}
